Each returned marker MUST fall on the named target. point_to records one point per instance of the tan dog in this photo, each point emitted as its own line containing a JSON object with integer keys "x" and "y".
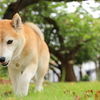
{"x": 23, "y": 49}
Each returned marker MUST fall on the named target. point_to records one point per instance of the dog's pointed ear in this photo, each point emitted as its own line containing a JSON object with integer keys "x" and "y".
{"x": 16, "y": 21}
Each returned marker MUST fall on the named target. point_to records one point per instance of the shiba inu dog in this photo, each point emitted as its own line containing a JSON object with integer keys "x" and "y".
{"x": 23, "y": 50}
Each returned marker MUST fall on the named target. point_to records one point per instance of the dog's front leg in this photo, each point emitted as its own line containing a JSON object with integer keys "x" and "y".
{"x": 14, "y": 76}
{"x": 23, "y": 84}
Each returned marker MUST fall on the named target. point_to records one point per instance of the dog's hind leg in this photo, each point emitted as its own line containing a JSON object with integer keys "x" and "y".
{"x": 41, "y": 71}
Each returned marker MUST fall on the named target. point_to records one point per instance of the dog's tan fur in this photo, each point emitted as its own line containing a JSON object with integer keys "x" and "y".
{"x": 27, "y": 56}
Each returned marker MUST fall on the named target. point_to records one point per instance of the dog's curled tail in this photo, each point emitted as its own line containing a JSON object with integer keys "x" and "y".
{"x": 35, "y": 28}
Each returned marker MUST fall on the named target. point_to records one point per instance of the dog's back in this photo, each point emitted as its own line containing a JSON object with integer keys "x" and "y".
{"x": 36, "y": 29}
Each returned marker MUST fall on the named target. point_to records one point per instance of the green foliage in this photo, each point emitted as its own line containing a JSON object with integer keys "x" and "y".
{"x": 3, "y": 6}
{"x": 73, "y": 29}
{"x": 85, "y": 78}
{"x": 3, "y": 71}
{"x": 86, "y": 53}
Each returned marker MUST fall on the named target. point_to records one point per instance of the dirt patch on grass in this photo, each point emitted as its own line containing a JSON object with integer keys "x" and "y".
{"x": 2, "y": 81}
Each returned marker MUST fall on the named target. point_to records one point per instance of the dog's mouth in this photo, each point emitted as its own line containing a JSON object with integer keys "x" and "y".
{"x": 4, "y": 63}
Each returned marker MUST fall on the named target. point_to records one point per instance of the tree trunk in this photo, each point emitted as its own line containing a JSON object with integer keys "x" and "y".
{"x": 68, "y": 74}
{"x": 98, "y": 69}
{"x": 80, "y": 72}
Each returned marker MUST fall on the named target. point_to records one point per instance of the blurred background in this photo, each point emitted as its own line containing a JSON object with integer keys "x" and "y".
{"x": 72, "y": 33}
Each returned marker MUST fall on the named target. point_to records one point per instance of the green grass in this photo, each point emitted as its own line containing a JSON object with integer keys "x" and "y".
{"x": 55, "y": 91}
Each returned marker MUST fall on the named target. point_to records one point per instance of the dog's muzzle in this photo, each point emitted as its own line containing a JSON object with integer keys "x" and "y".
{"x": 3, "y": 62}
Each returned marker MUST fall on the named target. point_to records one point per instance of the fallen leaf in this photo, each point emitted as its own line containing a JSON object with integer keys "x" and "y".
{"x": 6, "y": 93}
{"x": 71, "y": 84}
{"x": 74, "y": 93}
{"x": 77, "y": 98}
{"x": 90, "y": 91}
{"x": 87, "y": 95}
{"x": 97, "y": 95}
{"x": 10, "y": 98}
{"x": 66, "y": 91}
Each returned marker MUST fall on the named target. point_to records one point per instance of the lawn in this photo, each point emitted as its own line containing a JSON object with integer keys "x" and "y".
{"x": 56, "y": 91}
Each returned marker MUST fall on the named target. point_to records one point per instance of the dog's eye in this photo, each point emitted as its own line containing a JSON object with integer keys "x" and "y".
{"x": 9, "y": 41}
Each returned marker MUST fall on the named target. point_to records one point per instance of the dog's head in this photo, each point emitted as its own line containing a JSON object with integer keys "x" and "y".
{"x": 12, "y": 39}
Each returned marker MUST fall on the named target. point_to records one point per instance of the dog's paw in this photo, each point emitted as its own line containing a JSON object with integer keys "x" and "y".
{"x": 21, "y": 93}
{"x": 39, "y": 89}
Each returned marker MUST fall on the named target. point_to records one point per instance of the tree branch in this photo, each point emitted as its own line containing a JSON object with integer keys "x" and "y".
{"x": 55, "y": 72}
{"x": 56, "y": 53}
{"x": 21, "y": 4}
{"x": 56, "y": 27}
{"x": 54, "y": 60}
{"x": 18, "y": 6}
{"x": 54, "y": 66}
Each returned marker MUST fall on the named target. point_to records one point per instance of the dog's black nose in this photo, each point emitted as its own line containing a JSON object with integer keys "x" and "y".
{"x": 2, "y": 59}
